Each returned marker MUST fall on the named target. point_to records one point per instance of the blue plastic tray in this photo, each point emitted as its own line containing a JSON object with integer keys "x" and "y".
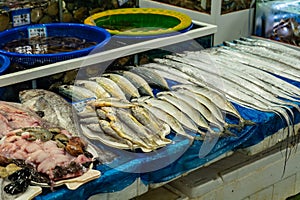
{"x": 82, "y": 31}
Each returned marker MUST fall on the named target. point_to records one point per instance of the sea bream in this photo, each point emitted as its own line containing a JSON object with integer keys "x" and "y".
{"x": 51, "y": 107}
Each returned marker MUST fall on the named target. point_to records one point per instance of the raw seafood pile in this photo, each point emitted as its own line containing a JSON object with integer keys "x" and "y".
{"x": 14, "y": 116}
{"x": 47, "y": 155}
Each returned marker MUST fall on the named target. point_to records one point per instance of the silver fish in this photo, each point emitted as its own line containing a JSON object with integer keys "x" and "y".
{"x": 184, "y": 107}
{"x": 152, "y": 78}
{"x": 52, "y": 107}
{"x": 147, "y": 136}
{"x": 126, "y": 86}
{"x": 273, "y": 46}
{"x": 140, "y": 83}
{"x": 110, "y": 86}
{"x": 111, "y": 102}
{"x": 94, "y": 132}
{"x": 94, "y": 87}
{"x": 124, "y": 131}
{"x": 175, "y": 112}
{"x": 148, "y": 120}
{"x": 76, "y": 93}
{"x": 105, "y": 126}
{"x": 167, "y": 118}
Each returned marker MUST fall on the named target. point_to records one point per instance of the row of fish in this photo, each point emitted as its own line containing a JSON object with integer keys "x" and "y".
{"x": 186, "y": 108}
{"x": 124, "y": 85}
{"x": 244, "y": 72}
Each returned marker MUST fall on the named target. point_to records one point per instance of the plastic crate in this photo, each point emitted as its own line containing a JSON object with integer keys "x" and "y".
{"x": 82, "y": 31}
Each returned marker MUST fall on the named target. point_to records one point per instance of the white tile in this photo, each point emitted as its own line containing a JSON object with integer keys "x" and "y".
{"x": 284, "y": 188}
{"x": 265, "y": 194}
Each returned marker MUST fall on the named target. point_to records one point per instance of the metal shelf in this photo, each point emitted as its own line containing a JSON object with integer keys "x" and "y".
{"x": 106, "y": 55}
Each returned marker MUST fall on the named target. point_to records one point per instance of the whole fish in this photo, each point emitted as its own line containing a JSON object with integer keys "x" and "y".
{"x": 94, "y": 87}
{"x": 140, "y": 83}
{"x": 266, "y": 53}
{"x": 271, "y": 80}
{"x": 167, "y": 118}
{"x": 94, "y": 132}
{"x": 148, "y": 120}
{"x": 251, "y": 79}
{"x": 126, "y": 86}
{"x": 52, "y": 107}
{"x": 273, "y": 46}
{"x": 147, "y": 136}
{"x": 267, "y": 65}
{"x": 153, "y": 79}
{"x": 112, "y": 102}
{"x": 107, "y": 129}
{"x": 76, "y": 93}
{"x": 174, "y": 73}
{"x": 212, "y": 107}
{"x": 110, "y": 86}
{"x": 124, "y": 131}
{"x": 184, "y": 107}
{"x": 202, "y": 109}
{"x": 176, "y": 113}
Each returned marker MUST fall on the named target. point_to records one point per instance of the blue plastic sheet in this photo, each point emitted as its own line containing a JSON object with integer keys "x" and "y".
{"x": 110, "y": 180}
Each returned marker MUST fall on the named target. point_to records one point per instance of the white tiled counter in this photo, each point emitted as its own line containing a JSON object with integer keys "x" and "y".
{"x": 244, "y": 177}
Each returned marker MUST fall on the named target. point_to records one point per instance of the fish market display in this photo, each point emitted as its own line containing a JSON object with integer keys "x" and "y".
{"x": 243, "y": 72}
{"x": 14, "y": 116}
{"x": 121, "y": 124}
{"x": 44, "y": 156}
{"x": 51, "y": 107}
{"x": 193, "y": 95}
{"x": 47, "y": 45}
